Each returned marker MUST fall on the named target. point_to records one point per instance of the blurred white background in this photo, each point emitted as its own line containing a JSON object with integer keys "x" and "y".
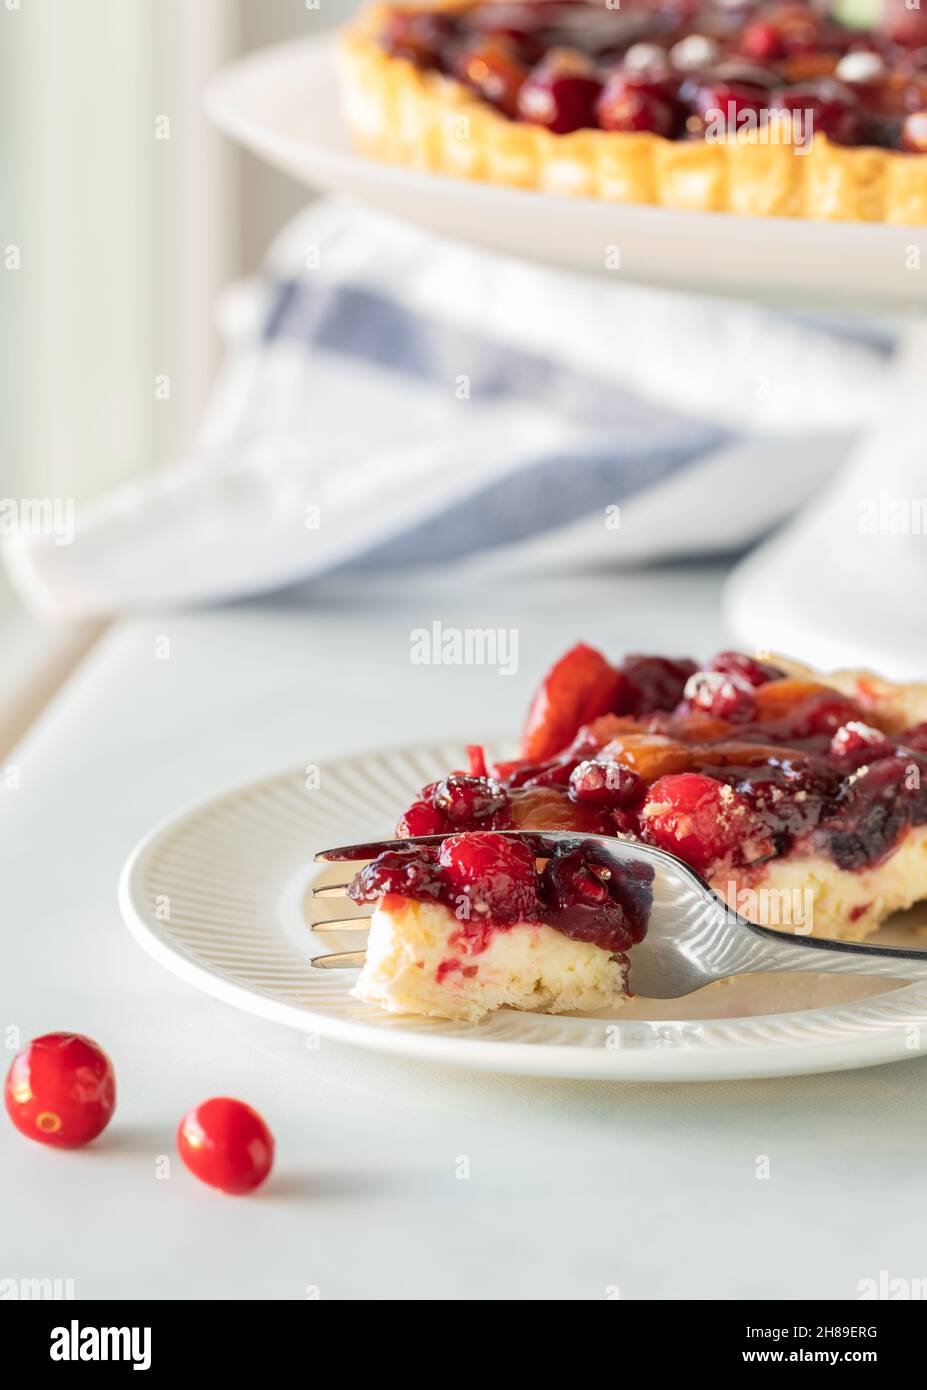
{"x": 124, "y": 213}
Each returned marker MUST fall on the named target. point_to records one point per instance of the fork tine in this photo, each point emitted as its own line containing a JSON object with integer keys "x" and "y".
{"x": 329, "y": 890}
{"x": 342, "y": 924}
{"x": 341, "y": 960}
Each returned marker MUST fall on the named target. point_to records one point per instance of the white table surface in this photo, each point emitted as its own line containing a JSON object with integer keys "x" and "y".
{"x": 575, "y": 1188}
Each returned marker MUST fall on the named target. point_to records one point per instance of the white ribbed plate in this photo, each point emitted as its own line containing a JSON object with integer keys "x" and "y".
{"x": 218, "y": 894}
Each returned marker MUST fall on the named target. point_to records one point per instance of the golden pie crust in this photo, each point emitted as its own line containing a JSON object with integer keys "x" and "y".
{"x": 424, "y": 120}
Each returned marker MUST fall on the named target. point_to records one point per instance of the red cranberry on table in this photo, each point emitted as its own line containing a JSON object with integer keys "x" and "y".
{"x": 61, "y": 1090}
{"x": 634, "y": 101}
{"x": 226, "y": 1144}
{"x": 560, "y": 93}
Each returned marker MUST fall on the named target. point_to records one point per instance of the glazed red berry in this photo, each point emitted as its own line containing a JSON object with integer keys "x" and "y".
{"x": 905, "y": 23}
{"x": 412, "y": 872}
{"x": 827, "y": 108}
{"x": 61, "y": 1090}
{"x": 856, "y": 742}
{"x": 721, "y": 103}
{"x": 606, "y": 783}
{"x": 915, "y": 737}
{"x": 761, "y": 41}
{"x": 721, "y": 695}
{"x": 651, "y": 683}
{"x": 748, "y": 668}
{"x": 421, "y": 819}
{"x": 825, "y": 712}
{"x": 226, "y": 1144}
{"x": 701, "y": 820}
{"x": 466, "y": 801}
{"x": 560, "y": 93}
{"x": 634, "y": 101}
{"x": 496, "y": 873}
{"x": 872, "y": 809}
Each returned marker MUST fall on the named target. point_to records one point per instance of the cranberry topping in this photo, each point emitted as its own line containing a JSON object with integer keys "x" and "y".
{"x": 905, "y": 24}
{"x": 652, "y": 683}
{"x": 422, "y": 818}
{"x": 493, "y": 68}
{"x": 636, "y": 101}
{"x": 589, "y": 901}
{"x": 858, "y": 743}
{"x": 722, "y": 102}
{"x": 702, "y": 820}
{"x": 412, "y": 873}
{"x": 669, "y": 69}
{"x": 561, "y": 93}
{"x": 490, "y": 881}
{"x": 762, "y": 42}
{"x": 830, "y": 107}
{"x": 578, "y": 688}
{"x": 420, "y": 36}
{"x": 496, "y": 875}
{"x": 724, "y": 696}
{"x": 463, "y": 800}
{"x": 915, "y": 737}
{"x": 606, "y": 783}
{"x": 788, "y": 749}
{"x": 869, "y": 813}
{"x": 747, "y": 667}
{"x": 459, "y": 802}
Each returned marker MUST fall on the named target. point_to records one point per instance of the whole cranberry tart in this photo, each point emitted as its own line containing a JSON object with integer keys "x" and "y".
{"x": 800, "y": 798}
{"x": 766, "y": 109}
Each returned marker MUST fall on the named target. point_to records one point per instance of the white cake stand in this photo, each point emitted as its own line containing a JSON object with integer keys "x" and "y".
{"x": 847, "y": 582}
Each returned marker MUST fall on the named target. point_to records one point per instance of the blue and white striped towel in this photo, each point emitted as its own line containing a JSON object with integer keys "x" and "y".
{"x": 392, "y": 399}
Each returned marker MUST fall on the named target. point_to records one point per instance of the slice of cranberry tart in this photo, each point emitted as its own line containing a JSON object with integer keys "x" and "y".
{"x": 758, "y": 107}
{"x": 476, "y": 923}
{"x": 755, "y": 772}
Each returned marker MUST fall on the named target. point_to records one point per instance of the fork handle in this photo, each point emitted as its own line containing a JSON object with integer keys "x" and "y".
{"x": 774, "y": 951}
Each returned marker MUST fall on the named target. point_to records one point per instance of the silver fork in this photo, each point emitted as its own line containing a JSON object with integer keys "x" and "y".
{"x": 693, "y": 938}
